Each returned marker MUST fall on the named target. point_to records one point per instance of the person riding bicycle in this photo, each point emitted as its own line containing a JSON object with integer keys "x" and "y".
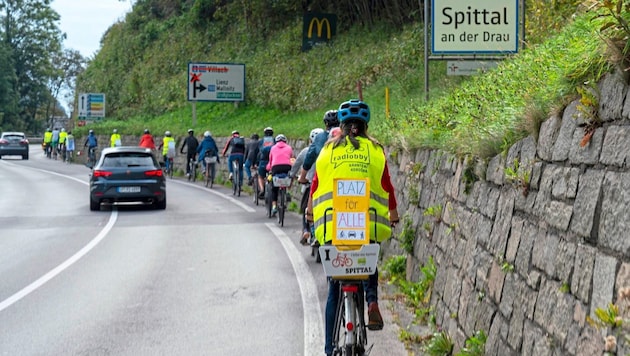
{"x": 349, "y": 151}
{"x": 251, "y": 150}
{"x": 55, "y": 142}
{"x": 91, "y": 142}
{"x": 264, "y": 146}
{"x": 47, "y": 142}
{"x": 115, "y": 139}
{"x": 168, "y": 149}
{"x": 295, "y": 172}
{"x": 208, "y": 147}
{"x": 237, "y": 143}
{"x": 69, "y": 146}
{"x": 146, "y": 140}
{"x": 192, "y": 144}
{"x": 63, "y": 136}
{"x": 330, "y": 121}
{"x": 280, "y": 156}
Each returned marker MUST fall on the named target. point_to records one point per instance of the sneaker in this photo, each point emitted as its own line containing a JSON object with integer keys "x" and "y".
{"x": 261, "y": 195}
{"x": 306, "y": 236}
{"x": 274, "y": 210}
{"x": 187, "y": 174}
{"x": 375, "y": 321}
{"x": 230, "y": 177}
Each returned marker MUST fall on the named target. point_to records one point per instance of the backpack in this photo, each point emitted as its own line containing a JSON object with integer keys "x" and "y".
{"x": 238, "y": 144}
{"x": 265, "y": 145}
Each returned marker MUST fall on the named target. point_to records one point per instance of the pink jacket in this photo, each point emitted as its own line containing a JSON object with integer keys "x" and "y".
{"x": 280, "y": 153}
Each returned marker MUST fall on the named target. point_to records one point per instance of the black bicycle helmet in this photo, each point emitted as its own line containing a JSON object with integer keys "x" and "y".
{"x": 331, "y": 119}
{"x": 190, "y": 131}
{"x": 268, "y": 131}
{"x": 146, "y": 131}
{"x": 255, "y": 136}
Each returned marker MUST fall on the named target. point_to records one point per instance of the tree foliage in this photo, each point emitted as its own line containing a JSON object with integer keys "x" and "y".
{"x": 31, "y": 39}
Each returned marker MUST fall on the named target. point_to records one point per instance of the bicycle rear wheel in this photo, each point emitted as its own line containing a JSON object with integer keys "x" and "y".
{"x": 282, "y": 195}
{"x": 255, "y": 188}
{"x": 193, "y": 171}
{"x": 170, "y": 168}
{"x": 268, "y": 198}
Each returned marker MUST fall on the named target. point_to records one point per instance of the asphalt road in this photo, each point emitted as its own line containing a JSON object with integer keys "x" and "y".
{"x": 210, "y": 275}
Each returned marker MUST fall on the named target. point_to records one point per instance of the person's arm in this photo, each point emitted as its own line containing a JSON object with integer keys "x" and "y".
{"x": 227, "y": 145}
{"x": 386, "y": 182}
{"x": 181, "y": 150}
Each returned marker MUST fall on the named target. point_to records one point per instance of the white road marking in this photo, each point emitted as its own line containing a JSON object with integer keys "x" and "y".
{"x": 313, "y": 320}
{"x": 57, "y": 270}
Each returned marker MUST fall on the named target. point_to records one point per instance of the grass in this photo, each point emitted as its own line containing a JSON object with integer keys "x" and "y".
{"x": 480, "y": 116}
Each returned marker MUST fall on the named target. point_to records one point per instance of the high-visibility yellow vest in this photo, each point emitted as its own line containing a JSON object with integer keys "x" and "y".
{"x": 62, "y": 137}
{"x": 168, "y": 142}
{"x": 115, "y": 140}
{"x": 47, "y": 137}
{"x": 344, "y": 161}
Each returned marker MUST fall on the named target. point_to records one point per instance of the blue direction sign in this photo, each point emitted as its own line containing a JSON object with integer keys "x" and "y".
{"x": 92, "y": 105}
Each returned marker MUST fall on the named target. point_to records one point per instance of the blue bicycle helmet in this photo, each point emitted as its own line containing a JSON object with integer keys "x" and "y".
{"x": 353, "y": 109}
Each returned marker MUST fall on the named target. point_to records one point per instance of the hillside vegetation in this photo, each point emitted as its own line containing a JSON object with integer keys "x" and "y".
{"x": 142, "y": 69}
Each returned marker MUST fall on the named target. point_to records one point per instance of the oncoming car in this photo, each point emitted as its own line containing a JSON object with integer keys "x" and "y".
{"x": 127, "y": 175}
{"x": 13, "y": 144}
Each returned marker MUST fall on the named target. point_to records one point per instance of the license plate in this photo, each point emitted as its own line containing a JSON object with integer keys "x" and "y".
{"x": 128, "y": 189}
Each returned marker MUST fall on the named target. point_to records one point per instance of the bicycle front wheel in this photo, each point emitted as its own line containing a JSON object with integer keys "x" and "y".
{"x": 207, "y": 174}
{"x": 170, "y": 168}
{"x": 193, "y": 171}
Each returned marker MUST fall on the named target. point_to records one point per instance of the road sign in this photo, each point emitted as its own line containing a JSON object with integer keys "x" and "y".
{"x": 216, "y": 82}
{"x": 469, "y": 67}
{"x": 485, "y": 26}
{"x": 351, "y": 205}
{"x": 92, "y": 105}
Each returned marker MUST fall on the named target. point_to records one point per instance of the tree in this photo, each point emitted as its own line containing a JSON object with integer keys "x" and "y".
{"x": 66, "y": 66}
{"x": 31, "y": 33}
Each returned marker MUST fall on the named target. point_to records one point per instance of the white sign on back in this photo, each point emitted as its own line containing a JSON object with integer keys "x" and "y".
{"x": 462, "y": 26}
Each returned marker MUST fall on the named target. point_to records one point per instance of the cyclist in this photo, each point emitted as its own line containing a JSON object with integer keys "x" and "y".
{"x": 63, "y": 136}
{"x": 114, "y": 139}
{"x": 91, "y": 142}
{"x": 354, "y": 116}
{"x": 147, "y": 140}
{"x": 251, "y": 150}
{"x": 264, "y": 146}
{"x": 209, "y": 146}
{"x": 280, "y": 156}
{"x": 238, "y": 151}
{"x": 168, "y": 149}
{"x": 55, "y": 142}
{"x": 295, "y": 170}
{"x": 192, "y": 144}
{"x": 69, "y": 146}
{"x": 48, "y": 142}
{"x": 330, "y": 121}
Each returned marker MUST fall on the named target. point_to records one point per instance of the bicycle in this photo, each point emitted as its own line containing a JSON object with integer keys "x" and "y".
{"x": 236, "y": 176}
{"x": 169, "y": 163}
{"x": 210, "y": 169}
{"x": 350, "y": 328}
{"x": 91, "y": 157}
{"x": 282, "y": 181}
{"x": 192, "y": 169}
{"x": 268, "y": 186}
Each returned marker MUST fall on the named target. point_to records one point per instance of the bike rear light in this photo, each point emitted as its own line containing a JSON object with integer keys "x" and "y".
{"x": 99, "y": 173}
{"x": 349, "y": 326}
{"x": 153, "y": 173}
{"x": 350, "y": 288}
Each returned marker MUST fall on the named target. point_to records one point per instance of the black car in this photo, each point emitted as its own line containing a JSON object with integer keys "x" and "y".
{"x": 13, "y": 144}
{"x": 127, "y": 175}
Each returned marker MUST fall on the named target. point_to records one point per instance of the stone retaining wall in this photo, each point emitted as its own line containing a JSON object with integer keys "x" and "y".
{"x": 528, "y": 259}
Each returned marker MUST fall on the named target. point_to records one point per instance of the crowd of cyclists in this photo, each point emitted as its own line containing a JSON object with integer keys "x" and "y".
{"x": 345, "y": 130}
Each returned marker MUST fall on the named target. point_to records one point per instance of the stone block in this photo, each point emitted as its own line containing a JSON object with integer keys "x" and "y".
{"x": 524, "y": 254}
{"x": 546, "y": 302}
{"x": 502, "y": 223}
{"x": 564, "y": 260}
{"x": 466, "y": 297}
{"x": 588, "y": 154}
{"x": 496, "y": 170}
{"x": 612, "y": 91}
{"x": 603, "y": 281}
{"x": 515, "y": 238}
{"x": 495, "y": 282}
{"x": 452, "y": 290}
{"x": 581, "y": 280}
{"x": 564, "y": 139}
{"x": 615, "y": 222}
{"x": 616, "y": 147}
{"x": 565, "y": 183}
{"x": 623, "y": 278}
{"x": 590, "y": 342}
{"x": 545, "y": 252}
{"x": 587, "y": 199}
{"x": 549, "y": 130}
{"x": 562, "y": 316}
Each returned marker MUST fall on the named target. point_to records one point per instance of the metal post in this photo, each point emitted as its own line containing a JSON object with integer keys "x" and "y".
{"x": 426, "y": 48}
{"x": 194, "y": 113}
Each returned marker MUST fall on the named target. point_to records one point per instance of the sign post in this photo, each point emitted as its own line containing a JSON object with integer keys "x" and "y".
{"x": 351, "y": 218}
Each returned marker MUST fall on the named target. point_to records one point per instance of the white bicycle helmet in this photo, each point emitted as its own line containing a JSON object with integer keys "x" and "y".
{"x": 281, "y": 137}
{"x": 207, "y": 134}
{"x": 314, "y": 133}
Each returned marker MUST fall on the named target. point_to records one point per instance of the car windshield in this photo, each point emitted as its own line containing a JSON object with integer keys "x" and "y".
{"x": 127, "y": 159}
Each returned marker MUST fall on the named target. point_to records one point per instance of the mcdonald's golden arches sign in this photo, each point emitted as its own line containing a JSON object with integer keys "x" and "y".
{"x": 318, "y": 28}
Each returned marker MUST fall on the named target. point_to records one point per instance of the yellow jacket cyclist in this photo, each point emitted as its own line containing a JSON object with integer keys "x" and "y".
{"x": 352, "y": 154}
{"x": 115, "y": 139}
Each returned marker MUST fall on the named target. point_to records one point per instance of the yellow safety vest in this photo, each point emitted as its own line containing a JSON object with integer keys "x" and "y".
{"x": 344, "y": 161}
{"x": 165, "y": 145}
{"x": 47, "y": 137}
{"x": 62, "y": 137}
{"x": 115, "y": 137}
